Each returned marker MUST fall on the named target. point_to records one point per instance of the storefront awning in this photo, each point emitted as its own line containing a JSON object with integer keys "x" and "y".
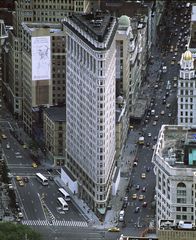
{"x": 101, "y": 210}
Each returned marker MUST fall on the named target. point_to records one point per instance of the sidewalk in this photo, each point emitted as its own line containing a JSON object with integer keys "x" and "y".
{"x": 128, "y": 156}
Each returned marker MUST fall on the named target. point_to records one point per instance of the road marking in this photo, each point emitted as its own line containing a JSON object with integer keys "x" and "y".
{"x": 55, "y": 223}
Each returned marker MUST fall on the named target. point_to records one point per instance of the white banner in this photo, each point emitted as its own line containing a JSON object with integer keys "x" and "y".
{"x": 41, "y": 58}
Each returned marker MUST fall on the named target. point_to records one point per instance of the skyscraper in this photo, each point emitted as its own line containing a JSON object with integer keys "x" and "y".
{"x": 187, "y": 91}
{"x": 90, "y": 99}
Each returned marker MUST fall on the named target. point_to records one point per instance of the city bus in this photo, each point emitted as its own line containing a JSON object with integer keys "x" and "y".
{"x": 66, "y": 195}
{"x": 63, "y": 204}
{"x": 42, "y": 179}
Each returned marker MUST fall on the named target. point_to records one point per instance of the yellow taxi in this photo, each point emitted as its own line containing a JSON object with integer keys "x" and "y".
{"x": 141, "y": 197}
{"x": 18, "y": 178}
{"x": 4, "y": 136}
{"x": 34, "y": 165}
{"x": 114, "y": 229}
{"x": 21, "y": 183}
{"x": 25, "y": 146}
{"x": 134, "y": 196}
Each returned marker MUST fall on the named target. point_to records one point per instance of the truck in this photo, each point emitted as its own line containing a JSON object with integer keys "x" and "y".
{"x": 185, "y": 225}
{"x": 141, "y": 140}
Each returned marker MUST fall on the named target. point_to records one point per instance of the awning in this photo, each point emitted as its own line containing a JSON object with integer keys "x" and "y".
{"x": 101, "y": 210}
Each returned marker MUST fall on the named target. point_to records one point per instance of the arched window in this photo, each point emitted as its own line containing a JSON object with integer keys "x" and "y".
{"x": 181, "y": 185}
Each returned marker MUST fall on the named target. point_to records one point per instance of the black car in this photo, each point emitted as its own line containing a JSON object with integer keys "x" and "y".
{"x": 147, "y": 144}
{"x": 148, "y": 169}
{"x": 137, "y": 187}
{"x": 51, "y": 178}
{"x": 124, "y": 205}
{"x": 25, "y": 179}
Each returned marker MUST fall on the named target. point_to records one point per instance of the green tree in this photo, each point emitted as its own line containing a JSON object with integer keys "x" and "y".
{"x": 11, "y": 231}
{"x": 12, "y": 197}
{"x": 4, "y": 168}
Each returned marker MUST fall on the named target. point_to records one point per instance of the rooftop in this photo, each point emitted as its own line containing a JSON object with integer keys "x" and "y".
{"x": 129, "y": 8}
{"x": 56, "y": 114}
{"x": 96, "y": 29}
{"x": 52, "y": 27}
{"x": 177, "y": 146}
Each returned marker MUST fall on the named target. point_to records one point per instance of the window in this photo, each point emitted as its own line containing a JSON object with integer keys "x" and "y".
{"x": 181, "y": 200}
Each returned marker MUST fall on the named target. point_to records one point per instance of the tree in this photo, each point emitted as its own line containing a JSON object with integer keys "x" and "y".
{"x": 4, "y": 169}
{"x": 10, "y": 231}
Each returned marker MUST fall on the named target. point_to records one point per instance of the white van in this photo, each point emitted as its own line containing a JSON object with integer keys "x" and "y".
{"x": 164, "y": 69}
{"x": 121, "y": 215}
{"x": 152, "y": 112}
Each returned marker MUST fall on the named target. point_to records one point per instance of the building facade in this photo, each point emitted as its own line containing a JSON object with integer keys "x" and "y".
{"x": 32, "y": 12}
{"x": 124, "y": 45}
{"x": 54, "y": 124}
{"x": 175, "y": 170}
{"x": 90, "y": 104}
{"x": 187, "y": 91}
{"x": 43, "y": 54}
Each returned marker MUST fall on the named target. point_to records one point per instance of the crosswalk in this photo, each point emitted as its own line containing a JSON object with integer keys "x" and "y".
{"x": 55, "y": 223}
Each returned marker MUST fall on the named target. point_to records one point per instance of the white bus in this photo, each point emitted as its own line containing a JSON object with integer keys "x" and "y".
{"x": 63, "y": 204}
{"x": 42, "y": 179}
{"x": 66, "y": 195}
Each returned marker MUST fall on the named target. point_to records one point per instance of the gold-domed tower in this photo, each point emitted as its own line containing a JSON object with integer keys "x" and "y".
{"x": 187, "y": 55}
